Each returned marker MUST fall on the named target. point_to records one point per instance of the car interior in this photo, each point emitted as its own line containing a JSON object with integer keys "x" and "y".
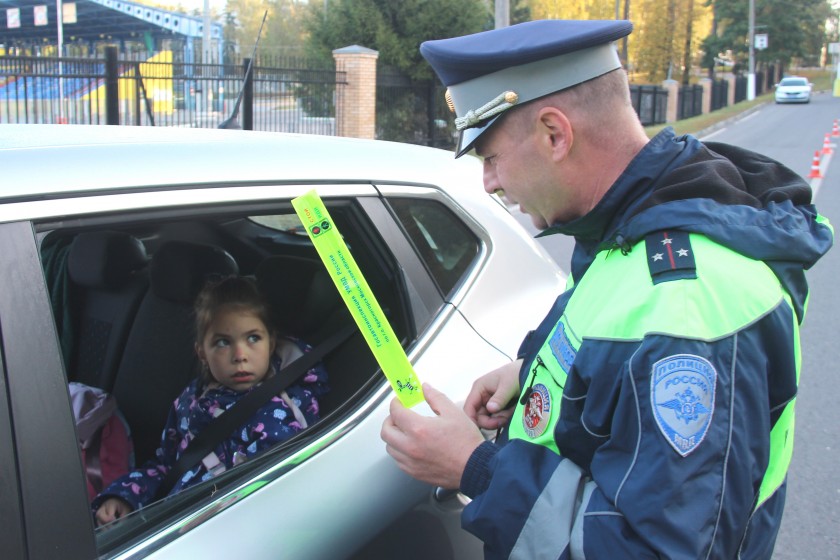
{"x": 122, "y": 285}
{"x": 122, "y": 294}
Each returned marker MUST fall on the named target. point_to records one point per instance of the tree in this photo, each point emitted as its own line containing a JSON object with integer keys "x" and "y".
{"x": 395, "y": 28}
{"x": 520, "y": 11}
{"x": 664, "y": 44}
{"x": 795, "y": 30}
{"x": 665, "y": 37}
{"x": 282, "y": 34}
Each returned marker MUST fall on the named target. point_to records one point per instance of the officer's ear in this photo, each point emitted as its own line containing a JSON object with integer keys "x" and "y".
{"x": 555, "y": 132}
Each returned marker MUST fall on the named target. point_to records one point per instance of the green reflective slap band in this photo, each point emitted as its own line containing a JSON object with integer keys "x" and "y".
{"x": 356, "y": 293}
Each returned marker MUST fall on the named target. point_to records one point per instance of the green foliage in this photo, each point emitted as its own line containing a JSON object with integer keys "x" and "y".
{"x": 282, "y": 34}
{"x": 795, "y": 30}
{"x": 395, "y": 28}
{"x": 520, "y": 11}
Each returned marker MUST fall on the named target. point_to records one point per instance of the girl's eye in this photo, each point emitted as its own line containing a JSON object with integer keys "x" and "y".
{"x": 221, "y": 343}
{"x": 254, "y": 338}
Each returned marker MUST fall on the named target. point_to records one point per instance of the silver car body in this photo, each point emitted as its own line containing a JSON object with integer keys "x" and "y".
{"x": 342, "y": 488}
{"x": 793, "y": 89}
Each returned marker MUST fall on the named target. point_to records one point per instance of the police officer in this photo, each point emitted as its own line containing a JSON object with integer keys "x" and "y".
{"x": 650, "y": 414}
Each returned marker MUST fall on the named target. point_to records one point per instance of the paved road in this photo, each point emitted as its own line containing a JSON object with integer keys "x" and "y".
{"x": 791, "y": 134}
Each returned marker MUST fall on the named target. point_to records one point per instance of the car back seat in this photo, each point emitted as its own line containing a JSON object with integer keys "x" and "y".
{"x": 159, "y": 358}
{"x": 305, "y": 304}
{"x": 110, "y": 277}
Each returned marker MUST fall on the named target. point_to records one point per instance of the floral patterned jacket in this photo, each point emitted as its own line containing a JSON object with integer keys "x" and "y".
{"x": 286, "y": 414}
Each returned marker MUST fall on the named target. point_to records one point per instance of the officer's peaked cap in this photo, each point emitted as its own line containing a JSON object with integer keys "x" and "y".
{"x": 487, "y": 73}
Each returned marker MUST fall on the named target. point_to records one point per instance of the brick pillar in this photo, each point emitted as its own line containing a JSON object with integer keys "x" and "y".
{"x": 706, "y": 84}
{"x": 673, "y": 89}
{"x": 730, "y": 89}
{"x": 355, "y": 103}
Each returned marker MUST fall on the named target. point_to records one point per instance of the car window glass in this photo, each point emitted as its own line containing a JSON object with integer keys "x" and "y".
{"x": 287, "y": 223}
{"x": 113, "y": 272}
{"x": 446, "y": 245}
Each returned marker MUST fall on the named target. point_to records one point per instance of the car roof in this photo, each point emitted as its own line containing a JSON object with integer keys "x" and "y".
{"x": 51, "y": 159}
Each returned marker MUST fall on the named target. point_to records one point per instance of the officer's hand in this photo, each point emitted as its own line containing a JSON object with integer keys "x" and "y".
{"x": 431, "y": 449}
{"x": 491, "y": 393}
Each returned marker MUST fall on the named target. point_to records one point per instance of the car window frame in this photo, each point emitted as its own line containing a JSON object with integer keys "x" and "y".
{"x": 55, "y": 518}
{"x": 11, "y": 516}
{"x": 412, "y": 272}
{"x": 432, "y": 192}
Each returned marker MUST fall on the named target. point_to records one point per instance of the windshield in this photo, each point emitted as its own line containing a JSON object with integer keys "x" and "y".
{"x": 794, "y": 82}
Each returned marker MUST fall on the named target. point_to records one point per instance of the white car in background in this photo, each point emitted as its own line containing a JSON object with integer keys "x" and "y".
{"x": 793, "y": 89}
{"x": 105, "y": 234}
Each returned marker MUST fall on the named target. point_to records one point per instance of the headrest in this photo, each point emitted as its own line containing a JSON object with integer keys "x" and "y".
{"x": 105, "y": 259}
{"x": 493, "y": 71}
{"x": 299, "y": 292}
{"x": 179, "y": 269}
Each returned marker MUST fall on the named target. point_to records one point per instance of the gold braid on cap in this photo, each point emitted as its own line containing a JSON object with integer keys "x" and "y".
{"x": 501, "y": 103}
{"x": 449, "y": 102}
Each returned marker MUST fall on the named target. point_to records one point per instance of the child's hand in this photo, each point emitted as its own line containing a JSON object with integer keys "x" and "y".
{"x": 111, "y": 510}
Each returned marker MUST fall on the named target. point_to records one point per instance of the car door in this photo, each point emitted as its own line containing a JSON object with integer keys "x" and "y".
{"x": 42, "y": 494}
{"x": 47, "y": 474}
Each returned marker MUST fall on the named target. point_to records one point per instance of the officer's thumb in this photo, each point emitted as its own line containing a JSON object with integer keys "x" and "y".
{"x": 493, "y": 405}
{"x": 437, "y": 401}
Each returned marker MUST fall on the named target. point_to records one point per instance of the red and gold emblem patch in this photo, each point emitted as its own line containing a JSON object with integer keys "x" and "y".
{"x": 537, "y": 411}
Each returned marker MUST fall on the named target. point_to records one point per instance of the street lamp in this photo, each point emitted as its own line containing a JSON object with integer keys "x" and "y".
{"x": 751, "y": 73}
{"x": 502, "y": 13}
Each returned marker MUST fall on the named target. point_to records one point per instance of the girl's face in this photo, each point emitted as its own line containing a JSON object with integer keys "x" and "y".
{"x": 236, "y": 347}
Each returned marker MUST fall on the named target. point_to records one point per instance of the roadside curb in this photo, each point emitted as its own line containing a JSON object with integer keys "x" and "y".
{"x": 726, "y": 122}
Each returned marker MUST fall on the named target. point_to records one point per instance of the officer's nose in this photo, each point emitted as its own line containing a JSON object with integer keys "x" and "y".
{"x": 491, "y": 178}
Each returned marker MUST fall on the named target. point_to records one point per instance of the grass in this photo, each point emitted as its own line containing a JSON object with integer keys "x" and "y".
{"x": 820, "y": 78}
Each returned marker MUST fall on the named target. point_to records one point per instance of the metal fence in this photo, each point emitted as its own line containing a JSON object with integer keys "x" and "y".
{"x": 689, "y": 101}
{"x": 416, "y": 111}
{"x": 412, "y": 111}
{"x": 32, "y": 90}
{"x": 291, "y": 95}
{"x": 283, "y": 94}
{"x": 720, "y": 94}
{"x": 650, "y": 103}
{"x": 741, "y": 83}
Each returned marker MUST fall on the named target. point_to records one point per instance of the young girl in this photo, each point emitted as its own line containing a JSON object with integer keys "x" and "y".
{"x": 237, "y": 350}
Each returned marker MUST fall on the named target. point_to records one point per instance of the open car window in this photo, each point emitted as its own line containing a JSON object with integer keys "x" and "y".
{"x": 122, "y": 289}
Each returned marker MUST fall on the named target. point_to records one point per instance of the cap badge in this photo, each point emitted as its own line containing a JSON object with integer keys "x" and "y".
{"x": 498, "y": 105}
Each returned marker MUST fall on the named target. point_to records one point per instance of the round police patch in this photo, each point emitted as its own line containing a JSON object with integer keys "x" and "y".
{"x": 682, "y": 394}
{"x": 537, "y": 411}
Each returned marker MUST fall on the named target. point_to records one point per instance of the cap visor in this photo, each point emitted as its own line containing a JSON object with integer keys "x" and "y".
{"x": 470, "y": 135}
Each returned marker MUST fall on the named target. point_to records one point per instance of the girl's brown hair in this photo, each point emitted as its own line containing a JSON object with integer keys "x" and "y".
{"x": 233, "y": 292}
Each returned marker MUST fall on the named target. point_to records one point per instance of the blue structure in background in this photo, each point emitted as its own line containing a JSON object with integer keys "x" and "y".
{"x": 104, "y": 21}
{"x": 101, "y": 22}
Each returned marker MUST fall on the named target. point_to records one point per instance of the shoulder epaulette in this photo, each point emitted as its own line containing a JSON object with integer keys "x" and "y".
{"x": 670, "y": 256}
